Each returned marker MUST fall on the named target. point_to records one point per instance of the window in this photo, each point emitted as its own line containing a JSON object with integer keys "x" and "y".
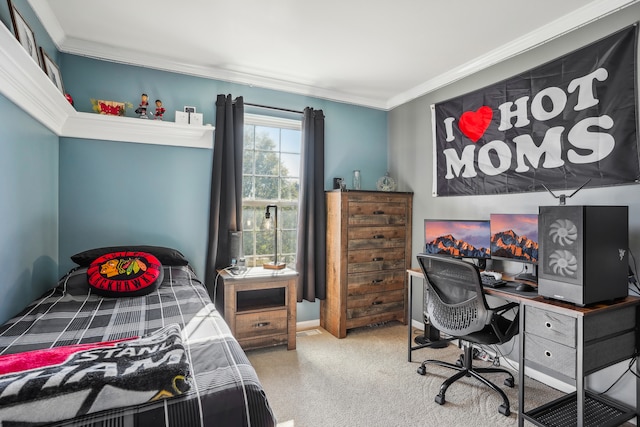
{"x": 270, "y": 176}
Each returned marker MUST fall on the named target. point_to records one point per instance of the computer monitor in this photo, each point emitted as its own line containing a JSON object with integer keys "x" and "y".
{"x": 458, "y": 238}
{"x": 514, "y": 237}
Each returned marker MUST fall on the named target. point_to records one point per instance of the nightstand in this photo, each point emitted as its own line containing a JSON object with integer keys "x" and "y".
{"x": 260, "y": 307}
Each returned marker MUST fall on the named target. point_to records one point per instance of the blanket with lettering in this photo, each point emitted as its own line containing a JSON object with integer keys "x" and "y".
{"x": 65, "y": 382}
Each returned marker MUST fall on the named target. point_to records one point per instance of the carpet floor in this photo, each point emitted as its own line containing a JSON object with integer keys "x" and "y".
{"x": 366, "y": 380}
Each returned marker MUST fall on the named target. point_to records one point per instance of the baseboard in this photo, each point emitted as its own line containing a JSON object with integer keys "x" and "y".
{"x": 307, "y": 324}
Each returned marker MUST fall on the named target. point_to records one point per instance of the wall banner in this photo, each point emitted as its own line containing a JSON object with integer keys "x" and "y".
{"x": 561, "y": 124}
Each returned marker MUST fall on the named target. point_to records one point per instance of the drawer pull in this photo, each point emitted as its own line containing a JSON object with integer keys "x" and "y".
{"x": 377, "y": 281}
{"x": 378, "y": 258}
{"x": 376, "y": 303}
{"x": 261, "y": 324}
{"x": 547, "y": 324}
{"x": 378, "y": 212}
{"x": 379, "y": 236}
{"x": 547, "y": 353}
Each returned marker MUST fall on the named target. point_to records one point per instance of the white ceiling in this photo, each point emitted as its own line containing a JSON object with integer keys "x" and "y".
{"x": 375, "y": 53}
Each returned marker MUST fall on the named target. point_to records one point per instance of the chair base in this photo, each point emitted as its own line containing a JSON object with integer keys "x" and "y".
{"x": 465, "y": 369}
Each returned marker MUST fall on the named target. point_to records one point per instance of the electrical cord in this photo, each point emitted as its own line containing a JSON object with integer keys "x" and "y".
{"x": 215, "y": 282}
{"x": 631, "y": 363}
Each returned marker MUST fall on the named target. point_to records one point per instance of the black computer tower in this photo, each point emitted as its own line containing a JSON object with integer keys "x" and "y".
{"x": 583, "y": 253}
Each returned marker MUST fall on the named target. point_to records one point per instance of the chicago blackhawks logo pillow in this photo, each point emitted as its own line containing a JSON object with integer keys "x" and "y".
{"x": 125, "y": 274}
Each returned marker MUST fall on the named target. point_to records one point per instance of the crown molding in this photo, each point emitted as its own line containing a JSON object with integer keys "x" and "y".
{"x": 588, "y": 13}
{"x": 24, "y": 83}
{"x": 141, "y": 59}
{"x": 583, "y": 16}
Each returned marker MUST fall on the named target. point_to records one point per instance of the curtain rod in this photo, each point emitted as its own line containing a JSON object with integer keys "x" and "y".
{"x": 273, "y": 108}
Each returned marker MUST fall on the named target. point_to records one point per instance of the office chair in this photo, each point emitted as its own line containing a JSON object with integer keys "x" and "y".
{"x": 456, "y": 305}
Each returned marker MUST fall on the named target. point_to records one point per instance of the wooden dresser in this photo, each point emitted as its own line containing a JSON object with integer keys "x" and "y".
{"x": 368, "y": 253}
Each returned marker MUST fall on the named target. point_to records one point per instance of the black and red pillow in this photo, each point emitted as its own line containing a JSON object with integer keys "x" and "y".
{"x": 125, "y": 274}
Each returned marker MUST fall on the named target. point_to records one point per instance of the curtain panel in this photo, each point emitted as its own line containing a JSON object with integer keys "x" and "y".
{"x": 310, "y": 256}
{"x": 225, "y": 210}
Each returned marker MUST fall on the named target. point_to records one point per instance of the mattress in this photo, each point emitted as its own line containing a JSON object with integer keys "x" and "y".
{"x": 224, "y": 388}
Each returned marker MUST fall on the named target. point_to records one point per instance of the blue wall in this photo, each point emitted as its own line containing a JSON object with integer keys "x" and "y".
{"x": 118, "y": 193}
{"x": 113, "y": 193}
{"x": 28, "y": 208}
{"x": 355, "y": 137}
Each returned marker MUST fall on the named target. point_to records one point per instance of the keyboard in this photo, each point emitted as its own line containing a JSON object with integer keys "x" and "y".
{"x": 491, "y": 282}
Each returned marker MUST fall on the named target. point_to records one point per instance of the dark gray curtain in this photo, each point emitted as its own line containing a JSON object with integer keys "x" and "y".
{"x": 225, "y": 209}
{"x": 310, "y": 256}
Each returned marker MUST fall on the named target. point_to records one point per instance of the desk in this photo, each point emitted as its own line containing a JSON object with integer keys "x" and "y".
{"x": 260, "y": 307}
{"x": 570, "y": 342}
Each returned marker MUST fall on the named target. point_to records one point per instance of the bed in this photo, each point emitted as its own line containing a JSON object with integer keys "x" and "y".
{"x": 176, "y": 348}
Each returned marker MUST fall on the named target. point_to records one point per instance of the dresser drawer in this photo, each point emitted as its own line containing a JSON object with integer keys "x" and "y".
{"x": 375, "y": 303}
{"x": 376, "y": 237}
{"x": 260, "y": 324}
{"x": 550, "y": 354}
{"x": 363, "y": 260}
{"x": 552, "y": 326}
{"x": 364, "y": 283}
{"x": 377, "y": 213}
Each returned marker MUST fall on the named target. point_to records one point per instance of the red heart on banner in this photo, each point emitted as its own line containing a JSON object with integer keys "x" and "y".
{"x": 474, "y": 123}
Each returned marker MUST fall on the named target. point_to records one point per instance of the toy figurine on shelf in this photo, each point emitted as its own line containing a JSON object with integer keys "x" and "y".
{"x": 142, "y": 108}
{"x": 159, "y": 110}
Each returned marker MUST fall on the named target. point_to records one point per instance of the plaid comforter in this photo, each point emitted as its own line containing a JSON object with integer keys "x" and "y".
{"x": 225, "y": 390}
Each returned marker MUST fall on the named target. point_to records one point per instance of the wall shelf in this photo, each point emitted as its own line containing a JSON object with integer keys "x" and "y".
{"x": 24, "y": 83}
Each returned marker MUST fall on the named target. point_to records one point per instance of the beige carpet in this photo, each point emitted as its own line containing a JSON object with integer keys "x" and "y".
{"x": 366, "y": 380}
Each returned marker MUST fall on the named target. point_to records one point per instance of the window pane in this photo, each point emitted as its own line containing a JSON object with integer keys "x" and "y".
{"x": 248, "y": 219}
{"x": 288, "y": 244}
{"x": 290, "y": 165}
{"x": 288, "y": 218}
{"x": 264, "y": 242}
{"x": 248, "y": 241}
{"x": 290, "y": 141}
{"x": 247, "y": 187}
{"x": 267, "y": 138}
{"x": 248, "y": 159}
{"x": 249, "y": 136}
{"x": 267, "y": 163}
{"x": 290, "y": 188}
{"x": 266, "y": 188}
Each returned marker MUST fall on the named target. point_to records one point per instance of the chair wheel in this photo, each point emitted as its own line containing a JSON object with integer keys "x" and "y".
{"x": 440, "y": 400}
{"x": 460, "y": 362}
{"x": 508, "y": 382}
{"x": 422, "y": 370}
{"x": 504, "y": 410}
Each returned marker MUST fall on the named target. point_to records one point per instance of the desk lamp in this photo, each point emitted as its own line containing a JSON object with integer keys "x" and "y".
{"x": 275, "y": 265}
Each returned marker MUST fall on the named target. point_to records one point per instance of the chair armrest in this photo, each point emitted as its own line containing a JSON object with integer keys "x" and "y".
{"x": 505, "y": 307}
{"x": 514, "y": 324}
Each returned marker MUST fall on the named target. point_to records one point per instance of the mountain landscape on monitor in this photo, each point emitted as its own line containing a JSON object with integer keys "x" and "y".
{"x": 449, "y": 245}
{"x": 508, "y": 244}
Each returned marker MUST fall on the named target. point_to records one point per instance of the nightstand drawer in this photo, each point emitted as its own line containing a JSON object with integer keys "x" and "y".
{"x": 552, "y": 326}
{"x": 252, "y": 325}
